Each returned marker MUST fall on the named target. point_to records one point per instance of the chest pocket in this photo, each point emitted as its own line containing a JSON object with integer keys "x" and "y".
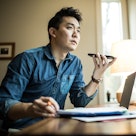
{"x": 66, "y": 83}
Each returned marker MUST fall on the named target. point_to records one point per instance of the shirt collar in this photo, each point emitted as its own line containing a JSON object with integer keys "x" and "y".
{"x": 49, "y": 55}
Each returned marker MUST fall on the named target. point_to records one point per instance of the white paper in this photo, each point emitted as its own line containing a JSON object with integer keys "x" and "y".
{"x": 96, "y": 110}
{"x": 125, "y": 113}
{"x": 105, "y": 118}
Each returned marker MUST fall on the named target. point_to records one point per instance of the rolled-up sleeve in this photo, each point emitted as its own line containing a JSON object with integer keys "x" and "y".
{"x": 6, "y": 105}
{"x": 80, "y": 99}
{"x": 14, "y": 83}
{"x": 78, "y": 96}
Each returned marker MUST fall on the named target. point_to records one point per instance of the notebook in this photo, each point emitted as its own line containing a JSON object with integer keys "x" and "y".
{"x": 104, "y": 111}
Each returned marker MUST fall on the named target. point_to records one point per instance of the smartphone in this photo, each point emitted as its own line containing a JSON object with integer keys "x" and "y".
{"x": 108, "y": 56}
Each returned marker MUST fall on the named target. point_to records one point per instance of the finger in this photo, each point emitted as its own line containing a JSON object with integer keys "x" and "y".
{"x": 100, "y": 59}
{"x": 42, "y": 107}
{"x": 95, "y": 62}
{"x": 38, "y": 109}
{"x": 111, "y": 62}
{"x": 55, "y": 104}
{"x": 44, "y": 114}
{"x": 48, "y": 115}
{"x": 98, "y": 56}
{"x": 105, "y": 60}
{"x": 50, "y": 108}
{"x": 40, "y": 104}
{"x": 52, "y": 101}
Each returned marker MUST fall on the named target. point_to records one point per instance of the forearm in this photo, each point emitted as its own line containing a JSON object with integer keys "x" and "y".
{"x": 20, "y": 110}
{"x": 39, "y": 108}
{"x": 91, "y": 88}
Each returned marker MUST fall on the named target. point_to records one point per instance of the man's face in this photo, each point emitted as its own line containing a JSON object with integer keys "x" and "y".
{"x": 68, "y": 34}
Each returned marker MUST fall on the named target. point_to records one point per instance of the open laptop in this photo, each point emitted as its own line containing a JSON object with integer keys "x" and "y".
{"x": 105, "y": 111}
{"x": 127, "y": 91}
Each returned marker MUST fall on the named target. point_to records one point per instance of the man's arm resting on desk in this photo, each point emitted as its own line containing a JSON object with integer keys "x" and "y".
{"x": 39, "y": 108}
{"x": 20, "y": 110}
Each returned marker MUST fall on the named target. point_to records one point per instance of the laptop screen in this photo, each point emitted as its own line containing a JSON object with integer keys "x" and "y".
{"x": 127, "y": 91}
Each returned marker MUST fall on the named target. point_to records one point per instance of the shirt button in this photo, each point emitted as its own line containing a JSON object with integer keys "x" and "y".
{"x": 68, "y": 77}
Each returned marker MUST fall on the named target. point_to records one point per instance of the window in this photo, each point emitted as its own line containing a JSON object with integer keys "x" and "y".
{"x": 112, "y": 31}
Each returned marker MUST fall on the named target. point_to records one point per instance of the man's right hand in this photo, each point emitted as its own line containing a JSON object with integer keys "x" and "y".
{"x": 41, "y": 107}
{"x": 44, "y": 106}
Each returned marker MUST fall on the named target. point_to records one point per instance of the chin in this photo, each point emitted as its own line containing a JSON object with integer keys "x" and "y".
{"x": 72, "y": 49}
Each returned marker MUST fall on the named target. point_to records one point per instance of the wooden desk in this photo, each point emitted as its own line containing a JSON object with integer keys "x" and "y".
{"x": 66, "y": 126}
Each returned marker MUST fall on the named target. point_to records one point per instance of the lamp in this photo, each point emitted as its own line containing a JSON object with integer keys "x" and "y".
{"x": 125, "y": 51}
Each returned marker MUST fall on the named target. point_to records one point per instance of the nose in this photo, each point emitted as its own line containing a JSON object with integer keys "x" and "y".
{"x": 75, "y": 33}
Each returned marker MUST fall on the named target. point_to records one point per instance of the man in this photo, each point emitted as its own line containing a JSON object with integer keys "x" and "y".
{"x": 38, "y": 80}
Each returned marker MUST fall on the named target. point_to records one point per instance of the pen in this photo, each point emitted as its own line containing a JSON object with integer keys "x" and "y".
{"x": 50, "y": 104}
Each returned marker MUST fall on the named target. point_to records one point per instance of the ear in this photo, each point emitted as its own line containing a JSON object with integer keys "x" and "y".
{"x": 52, "y": 32}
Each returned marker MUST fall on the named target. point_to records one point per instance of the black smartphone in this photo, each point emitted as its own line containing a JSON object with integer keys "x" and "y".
{"x": 108, "y": 56}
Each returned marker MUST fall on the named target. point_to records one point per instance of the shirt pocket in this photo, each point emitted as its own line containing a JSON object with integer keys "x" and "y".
{"x": 67, "y": 81}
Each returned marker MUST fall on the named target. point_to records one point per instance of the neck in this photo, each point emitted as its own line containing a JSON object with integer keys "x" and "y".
{"x": 58, "y": 54}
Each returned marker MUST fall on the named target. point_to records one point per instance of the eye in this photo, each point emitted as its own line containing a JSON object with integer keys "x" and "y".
{"x": 69, "y": 27}
{"x": 78, "y": 30}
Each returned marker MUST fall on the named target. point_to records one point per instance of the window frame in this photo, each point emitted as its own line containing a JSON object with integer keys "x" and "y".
{"x": 124, "y": 10}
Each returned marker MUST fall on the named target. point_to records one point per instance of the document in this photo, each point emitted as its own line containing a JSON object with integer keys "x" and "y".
{"x": 105, "y": 118}
{"x": 97, "y": 114}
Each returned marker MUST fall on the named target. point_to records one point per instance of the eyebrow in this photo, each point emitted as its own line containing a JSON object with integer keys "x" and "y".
{"x": 73, "y": 25}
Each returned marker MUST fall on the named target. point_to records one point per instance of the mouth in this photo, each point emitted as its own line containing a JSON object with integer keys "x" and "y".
{"x": 74, "y": 42}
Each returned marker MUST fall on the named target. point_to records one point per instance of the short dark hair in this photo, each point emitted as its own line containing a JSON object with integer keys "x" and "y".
{"x": 57, "y": 19}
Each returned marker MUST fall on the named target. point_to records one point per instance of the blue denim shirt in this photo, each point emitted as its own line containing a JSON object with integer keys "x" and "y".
{"x": 33, "y": 73}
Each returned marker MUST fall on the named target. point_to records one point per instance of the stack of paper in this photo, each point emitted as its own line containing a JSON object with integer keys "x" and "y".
{"x": 97, "y": 114}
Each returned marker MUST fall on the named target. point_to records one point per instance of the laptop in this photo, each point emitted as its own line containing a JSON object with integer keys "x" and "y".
{"x": 105, "y": 111}
{"x": 127, "y": 91}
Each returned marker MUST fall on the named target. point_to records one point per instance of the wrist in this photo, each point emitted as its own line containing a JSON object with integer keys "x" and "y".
{"x": 29, "y": 110}
{"x": 96, "y": 80}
